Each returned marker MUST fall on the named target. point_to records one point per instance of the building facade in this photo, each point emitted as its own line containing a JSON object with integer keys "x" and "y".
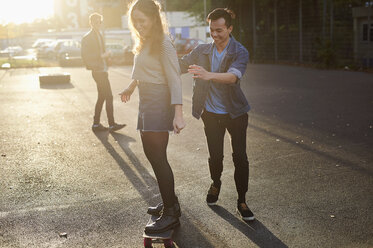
{"x": 363, "y": 36}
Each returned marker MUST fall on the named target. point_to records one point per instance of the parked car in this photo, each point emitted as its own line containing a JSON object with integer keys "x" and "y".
{"x": 11, "y": 51}
{"x": 117, "y": 53}
{"x": 120, "y": 54}
{"x": 128, "y": 55}
{"x": 185, "y": 46}
{"x": 41, "y": 42}
{"x": 46, "y": 49}
{"x": 68, "y": 53}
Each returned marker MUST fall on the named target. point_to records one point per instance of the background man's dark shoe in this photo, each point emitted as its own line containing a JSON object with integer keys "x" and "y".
{"x": 98, "y": 128}
{"x": 212, "y": 195}
{"x": 116, "y": 127}
{"x": 245, "y": 211}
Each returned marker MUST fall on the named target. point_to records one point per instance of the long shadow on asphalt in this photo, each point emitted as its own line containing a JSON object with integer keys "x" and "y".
{"x": 56, "y": 86}
{"x": 149, "y": 188}
{"x": 140, "y": 186}
{"x": 124, "y": 142}
{"x": 254, "y": 230}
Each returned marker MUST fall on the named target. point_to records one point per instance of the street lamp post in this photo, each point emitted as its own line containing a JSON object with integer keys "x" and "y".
{"x": 204, "y": 16}
{"x": 204, "y": 8}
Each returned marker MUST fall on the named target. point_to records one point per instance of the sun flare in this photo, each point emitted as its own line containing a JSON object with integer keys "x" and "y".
{"x": 21, "y": 11}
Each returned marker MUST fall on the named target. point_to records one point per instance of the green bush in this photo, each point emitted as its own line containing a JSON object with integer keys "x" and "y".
{"x": 325, "y": 54}
{"x": 26, "y": 63}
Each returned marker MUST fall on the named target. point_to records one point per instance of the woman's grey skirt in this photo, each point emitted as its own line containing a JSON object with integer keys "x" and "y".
{"x": 156, "y": 113}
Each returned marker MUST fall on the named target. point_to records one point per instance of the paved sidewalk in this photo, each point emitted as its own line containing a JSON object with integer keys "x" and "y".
{"x": 310, "y": 140}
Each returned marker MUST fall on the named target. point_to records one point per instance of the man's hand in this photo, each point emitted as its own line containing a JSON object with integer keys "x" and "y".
{"x": 199, "y": 72}
{"x": 217, "y": 77}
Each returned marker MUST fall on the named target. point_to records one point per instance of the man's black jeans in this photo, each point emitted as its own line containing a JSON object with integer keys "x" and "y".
{"x": 215, "y": 126}
{"x": 104, "y": 95}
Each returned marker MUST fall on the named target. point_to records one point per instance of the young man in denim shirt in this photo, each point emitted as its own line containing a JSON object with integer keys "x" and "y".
{"x": 217, "y": 68}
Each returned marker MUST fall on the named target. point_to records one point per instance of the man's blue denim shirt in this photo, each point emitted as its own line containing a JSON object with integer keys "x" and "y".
{"x": 235, "y": 61}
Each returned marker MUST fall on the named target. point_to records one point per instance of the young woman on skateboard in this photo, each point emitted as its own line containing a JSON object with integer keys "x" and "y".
{"x": 156, "y": 72}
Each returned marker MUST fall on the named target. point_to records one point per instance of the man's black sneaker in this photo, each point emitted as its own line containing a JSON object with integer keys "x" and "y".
{"x": 245, "y": 211}
{"x": 98, "y": 128}
{"x": 116, "y": 127}
{"x": 212, "y": 195}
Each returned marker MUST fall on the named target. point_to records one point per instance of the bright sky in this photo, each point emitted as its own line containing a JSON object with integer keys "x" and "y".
{"x": 20, "y": 11}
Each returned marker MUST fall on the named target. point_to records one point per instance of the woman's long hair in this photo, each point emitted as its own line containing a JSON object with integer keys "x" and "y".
{"x": 152, "y": 9}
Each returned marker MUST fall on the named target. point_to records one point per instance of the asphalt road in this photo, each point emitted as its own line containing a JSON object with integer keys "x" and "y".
{"x": 310, "y": 140}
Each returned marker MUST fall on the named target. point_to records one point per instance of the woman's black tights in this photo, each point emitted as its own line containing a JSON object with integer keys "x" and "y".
{"x": 155, "y": 148}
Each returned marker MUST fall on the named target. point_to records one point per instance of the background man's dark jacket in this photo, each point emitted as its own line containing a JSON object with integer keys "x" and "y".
{"x": 91, "y": 52}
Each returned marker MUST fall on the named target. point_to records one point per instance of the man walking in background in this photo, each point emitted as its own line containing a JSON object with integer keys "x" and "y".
{"x": 94, "y": 57}
{"x": 217, "y": 68}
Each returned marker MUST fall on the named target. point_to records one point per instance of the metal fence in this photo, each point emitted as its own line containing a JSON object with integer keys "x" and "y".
{"x": 302, "y": 31}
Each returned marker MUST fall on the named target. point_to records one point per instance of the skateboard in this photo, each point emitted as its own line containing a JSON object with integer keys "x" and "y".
{"x": 164, "y": 237}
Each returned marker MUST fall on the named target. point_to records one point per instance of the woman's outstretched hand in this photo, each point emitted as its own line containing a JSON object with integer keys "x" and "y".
{"x": 179, "y": 124}
{"x": 125, "y": 95}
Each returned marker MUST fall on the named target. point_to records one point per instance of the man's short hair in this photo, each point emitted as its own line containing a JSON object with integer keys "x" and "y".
{"x": 225, "y": 13}
{"x": 94, "y": 17}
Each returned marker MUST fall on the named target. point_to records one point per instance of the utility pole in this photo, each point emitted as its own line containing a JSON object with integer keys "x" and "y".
{"x": 370, "y": 33}
{"x": 204, "y": 9}
{"x": 300, "y": 32}
{"x": 8, "y": 43}
{"x": 331, "y": 20}
{"x": 103, "y": 24}
{"x": 324, "y": 20}
{"x": 204, "y": 16}
{"x": 254, "y": 28}
{"x": 275, "y": 29}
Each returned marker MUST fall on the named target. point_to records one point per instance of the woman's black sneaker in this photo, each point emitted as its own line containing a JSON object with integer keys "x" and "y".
{"x": 245, "y": 211}
{"x": 212, "y": 195}
{"x": 167, "y": 221}
{"x": 156, "y": 211}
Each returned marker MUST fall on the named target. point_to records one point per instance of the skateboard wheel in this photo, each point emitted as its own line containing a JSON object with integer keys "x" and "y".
{"x": 148, "y": 243}
{"x": 168, "y": 243}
